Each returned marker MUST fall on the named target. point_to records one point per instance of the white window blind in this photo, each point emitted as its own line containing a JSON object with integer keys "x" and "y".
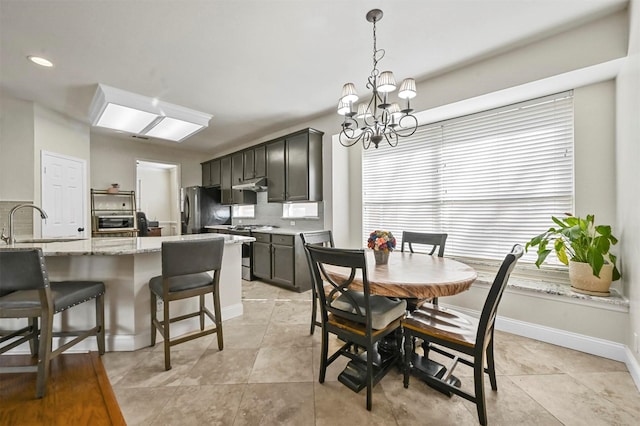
{"x": 489, "y": 180}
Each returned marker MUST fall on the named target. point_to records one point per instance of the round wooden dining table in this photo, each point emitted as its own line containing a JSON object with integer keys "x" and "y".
{"x": 411, "y": 275}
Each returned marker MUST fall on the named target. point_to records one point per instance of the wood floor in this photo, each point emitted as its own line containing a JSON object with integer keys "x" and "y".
{"x": 78, "y": 393}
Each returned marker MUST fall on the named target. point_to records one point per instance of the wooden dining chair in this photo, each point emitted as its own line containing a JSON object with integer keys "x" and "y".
{"x": 322, "y": 238}
{"x": 354, "y": 315}
{"x": 25, "y": 292}
{"x": 185, "y": 274}
{"x": 470, "y": 339}
{"x": 436, "y": 241}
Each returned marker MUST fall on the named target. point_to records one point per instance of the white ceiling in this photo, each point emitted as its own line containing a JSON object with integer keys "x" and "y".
{"x": 257, "y": 66}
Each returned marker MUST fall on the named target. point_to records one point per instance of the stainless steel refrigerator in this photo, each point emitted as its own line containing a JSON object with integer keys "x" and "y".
{"x": 201, "y": 207}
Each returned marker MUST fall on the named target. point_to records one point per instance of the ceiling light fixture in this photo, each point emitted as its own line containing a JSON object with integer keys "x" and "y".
{"x": 380, "y": 119}
{"x": 140, "y": 115}
{"x": 40, "y": 61}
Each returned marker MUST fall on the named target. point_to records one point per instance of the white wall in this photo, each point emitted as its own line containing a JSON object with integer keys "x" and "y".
{"x": 628, "y": 174}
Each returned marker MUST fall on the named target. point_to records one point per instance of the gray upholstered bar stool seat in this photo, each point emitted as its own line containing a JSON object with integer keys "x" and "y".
{"x": 185, "y": 274}
{"x": 25, "y": 292}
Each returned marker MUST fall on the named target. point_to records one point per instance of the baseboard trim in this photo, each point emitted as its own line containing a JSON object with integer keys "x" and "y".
{"x": 566, "y": 339}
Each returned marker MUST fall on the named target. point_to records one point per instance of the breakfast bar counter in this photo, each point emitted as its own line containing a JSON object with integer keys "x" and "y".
{"x": 125, "y": 265}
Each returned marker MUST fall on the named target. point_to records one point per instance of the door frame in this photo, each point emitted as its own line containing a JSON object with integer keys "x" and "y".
{"x": 176, "y": 184}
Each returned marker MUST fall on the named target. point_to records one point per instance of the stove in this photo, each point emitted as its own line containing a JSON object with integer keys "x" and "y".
{"x": 247, "y": 248}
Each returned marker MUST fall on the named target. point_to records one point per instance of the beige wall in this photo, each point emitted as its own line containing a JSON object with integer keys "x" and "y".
{"x": 16, "y": 143}
{"x": 628, "y": 173}
{"x": 113, "y": 160}
{"x": 155, "y": 193}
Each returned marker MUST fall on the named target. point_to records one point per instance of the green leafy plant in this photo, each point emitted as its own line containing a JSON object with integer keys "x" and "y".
{"x": 579, "y": 240}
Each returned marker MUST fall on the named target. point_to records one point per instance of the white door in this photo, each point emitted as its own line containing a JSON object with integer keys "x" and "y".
{"x": 63, "y": 195}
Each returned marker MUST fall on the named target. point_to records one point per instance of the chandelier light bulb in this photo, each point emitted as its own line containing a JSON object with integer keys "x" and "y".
{"x": 349, "y": 94}
{"x": 386, "y": 82}
{"x": 344, "y": 108}
{"x": 407, "y": 89}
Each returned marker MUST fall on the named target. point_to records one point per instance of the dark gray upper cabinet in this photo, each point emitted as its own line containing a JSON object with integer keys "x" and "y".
{"x": 211, "y": 173}
{"x": 225, "y": 180}
{"x": 237, "y": 176}
{"x": 249, "y": 164}
{"x": 260, "y": 161}
{"x": 294, "y": 167}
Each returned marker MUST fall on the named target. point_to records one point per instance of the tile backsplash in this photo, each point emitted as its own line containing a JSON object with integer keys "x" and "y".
{"x": 271, "y": 214}
{"x": 22, "y": 219}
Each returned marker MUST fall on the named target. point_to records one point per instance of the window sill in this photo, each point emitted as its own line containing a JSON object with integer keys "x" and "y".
{"x": 549, "y": 283}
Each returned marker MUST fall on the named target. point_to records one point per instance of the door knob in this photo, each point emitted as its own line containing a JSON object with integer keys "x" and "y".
{"x": 80, "y": 229}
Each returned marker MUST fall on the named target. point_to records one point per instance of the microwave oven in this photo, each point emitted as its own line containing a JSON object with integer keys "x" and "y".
{"x": 109, "y": 223}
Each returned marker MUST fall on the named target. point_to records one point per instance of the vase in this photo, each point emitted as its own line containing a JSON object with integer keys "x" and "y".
{"x": 382, "y": 257}
{"x": 583, "y": 280}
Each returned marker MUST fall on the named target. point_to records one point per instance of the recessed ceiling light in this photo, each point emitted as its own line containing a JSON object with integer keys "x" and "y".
{"x": 40, "y": 61}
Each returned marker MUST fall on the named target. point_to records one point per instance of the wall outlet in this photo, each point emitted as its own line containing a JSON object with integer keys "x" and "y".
{"x": 158, "y": 305}
{"x": 635, "y": 343}
{"x": 240, "y": 221}
{"x": 292, "y": 223}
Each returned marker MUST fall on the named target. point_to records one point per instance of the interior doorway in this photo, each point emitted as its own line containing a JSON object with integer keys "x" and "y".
{"x": 158, "y": 195}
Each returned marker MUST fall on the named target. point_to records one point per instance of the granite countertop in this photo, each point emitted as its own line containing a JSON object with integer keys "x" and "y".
{"x": 283, "y": 231}
{"x": 118, "y": 245}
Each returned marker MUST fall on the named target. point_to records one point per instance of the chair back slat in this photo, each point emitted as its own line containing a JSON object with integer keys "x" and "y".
{"x": 191, "y": 257}
{"x": 435, "y": 240}
{"x": 22, "y": 269}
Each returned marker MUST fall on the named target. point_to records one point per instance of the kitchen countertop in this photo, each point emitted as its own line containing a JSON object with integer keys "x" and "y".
{"x": 283, "y": 231}
{"x": 119, "y": 245}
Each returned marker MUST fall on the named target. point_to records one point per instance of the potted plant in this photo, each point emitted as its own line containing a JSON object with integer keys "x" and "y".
{"x": 381, "y": 242}
{"x": 583, "y": 246}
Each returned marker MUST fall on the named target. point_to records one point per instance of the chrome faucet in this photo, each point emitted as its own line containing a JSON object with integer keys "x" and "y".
{"x": 10, "y": 239}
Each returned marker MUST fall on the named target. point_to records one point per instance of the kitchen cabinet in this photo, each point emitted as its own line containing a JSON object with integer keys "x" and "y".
{"x": 225, "y": 180}
{"x": 237, "y": 176}
{"x": 294, "y": 167}
{"x": 280, "y": 259}
{"x": 211, "y": 173}
{"x": 255, "y": 162}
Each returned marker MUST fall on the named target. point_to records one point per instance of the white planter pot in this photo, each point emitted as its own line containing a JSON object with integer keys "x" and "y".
{"x": 583, "y": 280}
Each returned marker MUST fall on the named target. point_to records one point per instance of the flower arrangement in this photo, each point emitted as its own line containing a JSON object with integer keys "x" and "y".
{"x": 381, "y": 241}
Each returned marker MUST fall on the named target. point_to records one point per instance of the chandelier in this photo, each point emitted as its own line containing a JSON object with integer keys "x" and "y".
{"x": 379, "y": 118}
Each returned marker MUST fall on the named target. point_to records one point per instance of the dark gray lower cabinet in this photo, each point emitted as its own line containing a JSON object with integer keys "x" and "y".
{"x": 280, "y": 259}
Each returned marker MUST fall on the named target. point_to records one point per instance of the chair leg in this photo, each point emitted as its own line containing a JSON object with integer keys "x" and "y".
{"x": 218, "y": 314}
{"x": 33, "y": 342}
{"x": 154, "y": 316}
{"x": 165, "y": 335}
{"x": 201, "y": 312}
{"x": 44, "y": 354}
{"x": 369, "y": 375}
{"x": 323, "y": 355}
{"x": 100, "y": 323}
{"x": 408, "y": 354}
{"x": 478, "y": 382}
{"x": 314, "y": 309}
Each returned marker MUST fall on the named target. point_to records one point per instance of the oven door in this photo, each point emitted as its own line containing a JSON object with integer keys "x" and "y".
{"x": 107, "y": 223}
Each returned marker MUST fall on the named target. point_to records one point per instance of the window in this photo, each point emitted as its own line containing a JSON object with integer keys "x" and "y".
{"x": 489, "y": 180}
{"x": 300, "y": 210}
{"x": 239, "y": 211}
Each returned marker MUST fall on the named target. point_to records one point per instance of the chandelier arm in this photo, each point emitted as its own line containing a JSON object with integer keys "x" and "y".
{"x": 390, "y": 137}
{"x": 408, "y": 129}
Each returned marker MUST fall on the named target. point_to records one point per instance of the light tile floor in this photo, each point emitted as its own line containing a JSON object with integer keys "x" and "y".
{"x": 267, "y": 375}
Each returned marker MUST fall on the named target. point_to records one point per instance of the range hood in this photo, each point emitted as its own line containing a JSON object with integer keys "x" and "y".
{"x": 257, "y": 185}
